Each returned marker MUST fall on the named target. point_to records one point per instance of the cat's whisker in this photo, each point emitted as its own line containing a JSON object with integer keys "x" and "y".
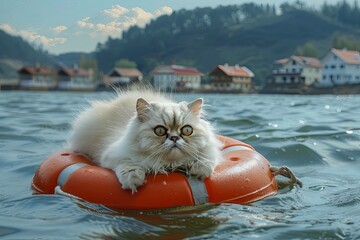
{"x": 120, "y": 132}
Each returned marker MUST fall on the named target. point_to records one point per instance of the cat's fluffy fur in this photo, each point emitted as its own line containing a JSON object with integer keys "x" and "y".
{"x": 120, "y": 134}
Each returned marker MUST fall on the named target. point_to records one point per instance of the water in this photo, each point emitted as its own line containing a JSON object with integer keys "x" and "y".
{"x": 318, "y": 137}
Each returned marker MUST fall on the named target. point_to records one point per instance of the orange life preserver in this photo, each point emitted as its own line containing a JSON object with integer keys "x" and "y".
{"x": 243, "y": 176}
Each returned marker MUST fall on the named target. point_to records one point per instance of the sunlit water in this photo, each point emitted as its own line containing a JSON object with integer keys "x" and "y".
{"x": 317, "y": 136}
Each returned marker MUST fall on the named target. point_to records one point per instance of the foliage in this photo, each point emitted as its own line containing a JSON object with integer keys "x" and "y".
{"x": 125, "y": 63}
{"x": 89, "y": 63}
{"x": 251, "y": 35}
{"x": 308, "y": 50}
{"x": 343, "y": 12}
{"x": 12, "y": 47}
{"x": 344, "y": 42}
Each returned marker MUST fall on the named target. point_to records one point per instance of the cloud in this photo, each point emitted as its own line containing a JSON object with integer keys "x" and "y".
{"x": 116, "y": 11}
{"x": 58, "y": 29}
{"x": 120, "y": 19}
{"x": 8, "y": 29}
{"x": 32, "y": 36}
{"x": 163, "y": 11}
{"x": 84, "y": 23}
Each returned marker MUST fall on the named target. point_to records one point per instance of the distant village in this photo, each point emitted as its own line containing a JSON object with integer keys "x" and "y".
{"x": 338, "y": 71}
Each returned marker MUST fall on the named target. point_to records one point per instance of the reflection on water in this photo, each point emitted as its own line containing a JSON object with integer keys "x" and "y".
{"x": 317, "y": 136}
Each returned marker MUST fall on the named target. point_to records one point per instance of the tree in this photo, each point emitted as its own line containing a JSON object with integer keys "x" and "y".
{"x": 125, "y": 63}
{"x": 308, "y": 50}
{"x": 344, "y": 42}
{"x": 89, "y": 63}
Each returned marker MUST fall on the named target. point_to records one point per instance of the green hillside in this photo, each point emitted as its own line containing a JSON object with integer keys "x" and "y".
{"x": 206, "y": 37}
{"x": 16, "y": 52}
{"x": 12, "y": 47}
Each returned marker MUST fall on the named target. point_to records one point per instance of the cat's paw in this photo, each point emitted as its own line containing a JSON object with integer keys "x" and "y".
{"x": 130, "y": 178}
{"x": 201, "y": 171}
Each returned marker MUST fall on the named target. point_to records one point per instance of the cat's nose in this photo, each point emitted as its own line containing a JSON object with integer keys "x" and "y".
{"x": 174, "y": 138}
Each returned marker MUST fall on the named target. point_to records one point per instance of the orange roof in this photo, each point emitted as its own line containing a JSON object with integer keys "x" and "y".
{"x": 307, "y": 61}
{"x": 235, "y": 71}
{"x": 352, "y": 57}
{"x": 75, "y": 71}
{"x": 127, "y": 72}
{"x": 32, "y": 70}
{"x": 177, "y": 70}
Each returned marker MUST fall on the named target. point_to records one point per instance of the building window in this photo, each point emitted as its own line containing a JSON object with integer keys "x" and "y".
{"x": 333, "y": 66}
{"x": 293, "y": 62}
{"x": 342, "y": 66}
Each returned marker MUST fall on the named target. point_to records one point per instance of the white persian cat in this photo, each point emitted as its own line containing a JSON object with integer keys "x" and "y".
{"x": 134, "y": 136}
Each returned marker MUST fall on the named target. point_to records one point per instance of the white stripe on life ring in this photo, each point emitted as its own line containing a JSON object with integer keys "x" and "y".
{"x": 65, "y": 174}
{"x": 235, "y": 148}
{"x": 198, "y": 190}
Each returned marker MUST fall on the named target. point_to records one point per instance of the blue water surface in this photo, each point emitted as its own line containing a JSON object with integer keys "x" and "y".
{"x": 318, "y": 137}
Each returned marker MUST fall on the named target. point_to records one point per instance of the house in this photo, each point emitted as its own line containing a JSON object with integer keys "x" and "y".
{"x": 76, "y": 79}
{"x": 225, "y": 78}
{"x": 176, "y": 77}
{"x": 37, "y": 78}
{"x": 341, "y": 67}
{"x": 123, "y": 77}
{"x": 295, "y": 75}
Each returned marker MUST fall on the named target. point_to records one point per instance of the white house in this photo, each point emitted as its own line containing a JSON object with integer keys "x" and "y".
{"x": 225, "y": 78}
{"x": 37, "y": 78}
{"x": 296, "y": 70}
{"x": 175, "y": 77}
{"x": 341, "y": 67}
{"x": 122, "y": 77}
{"x": 76, "y": 79}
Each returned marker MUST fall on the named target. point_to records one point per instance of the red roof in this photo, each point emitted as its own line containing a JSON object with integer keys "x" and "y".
{"x": 307, "y": 61}
{"x": 352, "y": 57}
{"x": 75, "y": 72}
{"x": 32, "y": 70}
{"x": 235, "y": 71}
{"x": 177, "y": 70}
{"x": 127, "y": 72}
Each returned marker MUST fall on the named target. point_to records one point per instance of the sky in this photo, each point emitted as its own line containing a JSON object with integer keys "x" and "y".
{"x": 77, "y": 26}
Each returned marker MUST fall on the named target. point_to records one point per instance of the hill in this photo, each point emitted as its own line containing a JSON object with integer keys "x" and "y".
{"x": 13, "y": 47}
{"x": 206, "y": 37}
{"x": 16, "y": 52}
{"x": 72, "y": 58}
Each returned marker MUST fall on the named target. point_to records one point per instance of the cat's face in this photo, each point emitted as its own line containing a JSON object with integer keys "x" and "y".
{"x": 171, "y": 133}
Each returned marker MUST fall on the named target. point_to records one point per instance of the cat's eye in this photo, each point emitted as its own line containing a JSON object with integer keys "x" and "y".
{"x": 186, "y": 130}
{"x": 160, "y": 130}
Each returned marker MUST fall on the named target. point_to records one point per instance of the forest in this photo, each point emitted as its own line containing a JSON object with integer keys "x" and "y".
{"x": 252, "y": 35}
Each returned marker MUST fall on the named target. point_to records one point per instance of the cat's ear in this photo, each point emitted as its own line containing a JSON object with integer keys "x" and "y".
{"x": 141, "y": 108}
{"x": 195, "y": 106}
